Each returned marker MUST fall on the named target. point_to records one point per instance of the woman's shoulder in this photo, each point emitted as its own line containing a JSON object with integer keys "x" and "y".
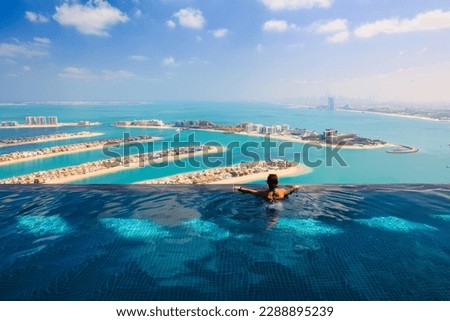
{"x": 282, "y": 192}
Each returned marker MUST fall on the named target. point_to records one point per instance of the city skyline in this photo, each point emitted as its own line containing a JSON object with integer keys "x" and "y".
{"x": 263, "y": 50}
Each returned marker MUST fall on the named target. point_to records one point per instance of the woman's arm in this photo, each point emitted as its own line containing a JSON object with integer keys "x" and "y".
{"x": 247, "y": 190}
{"x": 293, "y": 189}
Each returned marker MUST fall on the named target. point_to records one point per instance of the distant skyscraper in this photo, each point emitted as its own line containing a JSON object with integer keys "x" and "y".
{"x": 330, "y": 103}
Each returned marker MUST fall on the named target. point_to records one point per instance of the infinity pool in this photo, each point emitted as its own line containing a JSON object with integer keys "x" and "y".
{"x": 123, "y": 242}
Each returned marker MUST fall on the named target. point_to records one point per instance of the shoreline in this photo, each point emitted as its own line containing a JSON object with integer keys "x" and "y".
{"x": 87, "y": 135}
{"x": 152, "y": 127}
{"x": 216, "y": 175}
{"x": 403, "y": 149}
{"x": 294, "y": 139}
{"x": 50, "y": 125}
{"x": 75, "y": 151}
{"x": 69, "y": 174}
{"x": 116, "y": 169}
{"x": 291, "y": 138}
{"x": 289, "y": 172}
{"x": 286, "y": 138}
{"x": 398, "y": 115}
{"x": 354, "y": 147}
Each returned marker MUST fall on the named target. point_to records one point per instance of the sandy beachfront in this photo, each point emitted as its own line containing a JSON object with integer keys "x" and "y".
{"x": 286, "y": 138}
{"x": 111, "y": 165}
{"x": 72, "y": 149}
{"x": 153, "y": 127}
{"x": 133, "y": 165}
{"x": 292, "y": 138}
{"x": 235, "y": 174}
{"x": 289, "y": 138}
{"x": 399, "y": 115}
{"x": 288, "y": 172}
{"x": 357, "y": 147}
{"x": 62, "y": 136}
{"x": 51, "y": 125}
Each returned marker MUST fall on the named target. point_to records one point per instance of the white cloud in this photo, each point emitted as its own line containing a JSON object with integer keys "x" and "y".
{"x": 93, "y": 18}
{"x": 277, "y": 25}
{"x": 198, "y": 38}
{"x": 139, "y": 58}
{"x": 259, "y": 48}
{"x": 171, "y": 24}
{"x": 80, "y": 73}
{"x": 220, "y": 33}
{"x": 77, "y": 73}
{"x": 427, "y": 21}
{"x": 190, "y": 18}
{"x": 116, "y": 75}
{"x": 44, "y": 41}
{"x": 339, "y": 37}
{"x": 35, "y": 17}
{"x": 331, "y": 26}
{"x": 18, "y": 49}
{"x": 26, "y": 68}
{"x": 169, "y": 61}
{"x": 337, "y": 30}
{"x": 296, "y": 4}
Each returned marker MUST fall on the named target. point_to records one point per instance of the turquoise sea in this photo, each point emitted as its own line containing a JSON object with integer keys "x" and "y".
{"x": 430, "y": 165}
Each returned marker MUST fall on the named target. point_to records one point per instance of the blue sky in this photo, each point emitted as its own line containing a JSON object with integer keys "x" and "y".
{"x": 265, "y": 50}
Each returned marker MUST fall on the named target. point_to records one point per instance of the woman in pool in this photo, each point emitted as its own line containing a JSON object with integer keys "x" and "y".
{"x": 274, "y": 194}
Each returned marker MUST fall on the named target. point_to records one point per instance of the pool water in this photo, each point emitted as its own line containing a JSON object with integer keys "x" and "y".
{"x": 131, "y": 242}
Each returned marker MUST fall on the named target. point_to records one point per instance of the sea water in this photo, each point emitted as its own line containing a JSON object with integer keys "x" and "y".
{"x": 431, "y": 164}
{"x": 326, "y": 242}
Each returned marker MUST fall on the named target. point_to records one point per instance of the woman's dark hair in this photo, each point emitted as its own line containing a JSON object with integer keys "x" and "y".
{"x": 272, "y": 181}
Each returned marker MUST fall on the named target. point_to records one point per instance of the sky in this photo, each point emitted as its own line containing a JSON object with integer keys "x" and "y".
{"x": 227, "y": 50}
